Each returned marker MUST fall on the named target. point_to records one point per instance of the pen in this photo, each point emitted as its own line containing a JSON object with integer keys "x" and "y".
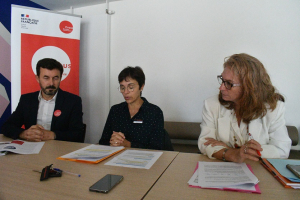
{"x": 4, "y": 142}
{"x": 67, "y": 172}
{"x": 251, "y": 138}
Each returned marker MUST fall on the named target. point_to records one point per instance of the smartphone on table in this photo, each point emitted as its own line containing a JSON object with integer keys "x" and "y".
{"x": 295, "y": 169}
{"x": 106, "y": 183}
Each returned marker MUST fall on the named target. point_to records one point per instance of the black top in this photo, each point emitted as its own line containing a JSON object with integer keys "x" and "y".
{"x": 144, "y": 130}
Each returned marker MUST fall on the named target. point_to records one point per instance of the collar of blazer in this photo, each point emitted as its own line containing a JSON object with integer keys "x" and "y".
{"x": 224, "y": 123}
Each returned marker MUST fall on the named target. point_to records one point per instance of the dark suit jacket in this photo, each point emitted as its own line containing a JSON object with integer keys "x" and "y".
{"x": 68, "y": 126}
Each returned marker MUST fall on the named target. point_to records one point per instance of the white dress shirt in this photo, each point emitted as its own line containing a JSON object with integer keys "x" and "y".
{"x": 45, "y": 111}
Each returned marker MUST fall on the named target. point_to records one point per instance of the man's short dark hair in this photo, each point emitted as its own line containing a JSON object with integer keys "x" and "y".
{"x": 50, "y": 64}
{"x": 135, "y": 73}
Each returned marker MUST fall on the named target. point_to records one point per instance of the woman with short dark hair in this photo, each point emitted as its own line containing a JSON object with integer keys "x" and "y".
{"x": 246, "y": 120}
{"x": 135, "y": 122}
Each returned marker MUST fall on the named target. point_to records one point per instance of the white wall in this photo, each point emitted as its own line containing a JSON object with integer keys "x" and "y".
{"x": 181, "y": 45}
{"x": 93, "y": 69}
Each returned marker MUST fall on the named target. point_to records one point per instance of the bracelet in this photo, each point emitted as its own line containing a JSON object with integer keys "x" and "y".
{"x": 223, "y": 157}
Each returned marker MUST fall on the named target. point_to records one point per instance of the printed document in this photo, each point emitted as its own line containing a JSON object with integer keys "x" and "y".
{"x": 92, "y": 153}
{"x": 224, "y": 174}
{"x": 135, "y": 159}
{"x": 21, "y": 147}
{"x": 193, "y": 182}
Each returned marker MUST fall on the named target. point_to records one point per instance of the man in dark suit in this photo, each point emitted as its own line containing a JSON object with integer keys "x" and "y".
{"x": 48, "y": 114}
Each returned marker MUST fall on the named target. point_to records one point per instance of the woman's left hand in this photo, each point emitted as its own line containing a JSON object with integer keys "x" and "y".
{"x": 248, "y": 151}
{"x": 118, "y": 139}
{"x": 252, "y": 147}
{"x": 213, "y": 142}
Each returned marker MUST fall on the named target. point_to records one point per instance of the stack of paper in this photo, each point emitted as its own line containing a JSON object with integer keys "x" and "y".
{"x": 225, "y": 176}
{"x": 92, "y": 154}
{"x": 278, "y": 169}
{"x": 135, "y": 159}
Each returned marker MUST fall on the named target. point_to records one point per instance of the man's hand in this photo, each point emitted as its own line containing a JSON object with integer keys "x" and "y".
{"x": 37, "y": 133}
{"x": 34, "y": 133}
{"x": 48, "y": 135}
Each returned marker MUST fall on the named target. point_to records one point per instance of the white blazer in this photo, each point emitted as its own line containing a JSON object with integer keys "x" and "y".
{"x": 270, "y": 131}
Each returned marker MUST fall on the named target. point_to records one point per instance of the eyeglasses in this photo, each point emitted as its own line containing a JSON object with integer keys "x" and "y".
{"x": 130, "y": 88}
{"x": 227, "y": 84}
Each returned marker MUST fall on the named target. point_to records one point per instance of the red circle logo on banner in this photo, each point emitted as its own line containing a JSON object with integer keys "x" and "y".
{"x": 57, "y": 113}
{"x": 66, "y": 27}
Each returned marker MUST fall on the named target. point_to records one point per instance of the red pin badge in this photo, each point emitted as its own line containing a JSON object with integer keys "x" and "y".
{"x": 57, "y": 113}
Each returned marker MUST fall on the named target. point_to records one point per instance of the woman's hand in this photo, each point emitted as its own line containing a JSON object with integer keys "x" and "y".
{"x": 118, "y": 139}
{"x": 213, "y": 142}
{"x": 248, "y": 151}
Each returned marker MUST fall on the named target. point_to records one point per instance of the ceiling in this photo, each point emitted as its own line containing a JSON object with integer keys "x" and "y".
{"x": 66, "y": 4}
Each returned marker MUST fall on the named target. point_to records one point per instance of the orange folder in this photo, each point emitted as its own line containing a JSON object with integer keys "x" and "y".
{"x": 284, "y": 181}
{"x": 85, "y": 159}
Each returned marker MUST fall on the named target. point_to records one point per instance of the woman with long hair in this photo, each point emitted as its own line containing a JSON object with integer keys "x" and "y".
{"x": 246, "y": 120}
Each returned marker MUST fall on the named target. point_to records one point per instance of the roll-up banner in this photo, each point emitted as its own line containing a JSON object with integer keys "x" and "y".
{"x": 38, "y": 34}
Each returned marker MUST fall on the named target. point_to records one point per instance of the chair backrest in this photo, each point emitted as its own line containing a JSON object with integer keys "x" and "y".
{"x": 84, "y": 131}
{"x": 293, "y": 134}
{"x": 168, "y": 144}
{"x": 191, "y": 131}
{"x": 183, "y": 130}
